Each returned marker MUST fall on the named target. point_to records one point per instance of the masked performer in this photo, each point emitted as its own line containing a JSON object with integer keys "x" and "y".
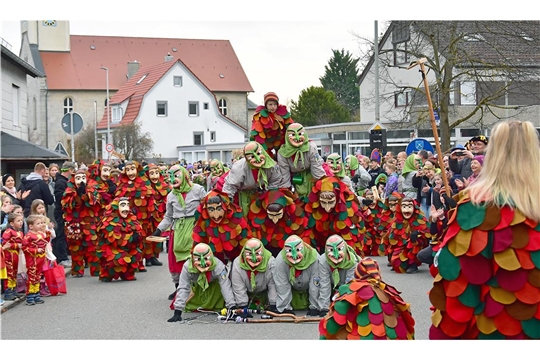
{"x": 252, "y": 277}
{"x": 249, "y": 177}
{"x": 134, "y": 185}
{"x": 152, "y": 249}
{"x": 220, "y": 224}
{"x": 216, "y": 178}
{"x": 82, "y": 206}
{"x": 296, "y": 274}
{"x": 407, "y": 235}
{"x": 100, "y": 173}
{"x": 182, "y": 202}
{"x": 367, "y": 309}
{"x": 276, "y": 215}
{"x": 204, "y": 283}
{"x": 336, "y": 268}
{"x": 270, "y": 123}
{"x": 373, "y": 208}
{"x": 333, "y": 209}
{"x": 119, "y": 248}
{"x": 299, "y": 161}
{"x": 386, "y": 218}
{"x": 334, "y": 163}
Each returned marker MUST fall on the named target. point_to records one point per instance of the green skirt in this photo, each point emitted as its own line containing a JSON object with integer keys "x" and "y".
{"x": 183, "y": 238}
{"x": 303, "y": 183}
{"x": 245, "y": 198}
{"x": 300, "y": 300}
{"x": 210, "y": 299}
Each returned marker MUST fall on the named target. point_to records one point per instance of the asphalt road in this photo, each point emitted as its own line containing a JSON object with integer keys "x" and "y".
{"x": 138, "y": 310}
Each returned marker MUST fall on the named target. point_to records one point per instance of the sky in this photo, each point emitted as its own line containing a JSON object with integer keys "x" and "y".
{"x": 283, "y": 46}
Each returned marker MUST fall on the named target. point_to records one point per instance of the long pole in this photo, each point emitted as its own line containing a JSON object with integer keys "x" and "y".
{"x": 376, "y": 55}
{"x": 95, "y": 129}
{"x": 108, "y": 107}
{"x": 433, "y": 123}
{"x": 72, "y": 136}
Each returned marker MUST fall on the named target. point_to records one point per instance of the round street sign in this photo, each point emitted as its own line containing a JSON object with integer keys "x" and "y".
{"x": 109, "y": 147}
{"x": 77, "y": 123}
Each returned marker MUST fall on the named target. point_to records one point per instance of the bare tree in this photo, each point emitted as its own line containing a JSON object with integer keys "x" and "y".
{"x": 475, "y": 66}
{"x": 129, "y": 140}
{"x": 85, "y": 150}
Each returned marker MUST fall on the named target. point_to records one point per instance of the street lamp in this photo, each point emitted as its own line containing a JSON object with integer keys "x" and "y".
{"x": 108, "y": 107}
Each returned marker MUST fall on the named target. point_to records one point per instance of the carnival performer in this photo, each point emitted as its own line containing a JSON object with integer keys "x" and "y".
{"x": 334, "y": 163}
{"x": 408, "y": 234}
{"x": 12, "y": 239}
{"x": 386, "y": 219}
{"x": 269, "y": 124}
{"x": 216, "y": 178}
{"x": 100, "y": 172}
{"x": 182, "y": 202}
{"x": 252, "y": 277}
{"x": 296, "y": 274}
{"x": 82, "y": 205}
{"x": 373, "y": 207}
{"x": 488, "y": 280}
{"x": 118, "y": 246}
{"x": 33, "y": 247}
{"x": 152, "y": 249}
{"x": 204, "y": 284}
{"x": 250, "y": 176}
{"x": 220, "y": 224}
{"x": 276, "y": 215}
{"x": 336, "y": 268}
{"x": 332, "y": 208}
{"x": 135, "y": 185}
{"x": 367, "y": 308}
{"x": 299, "y": 161}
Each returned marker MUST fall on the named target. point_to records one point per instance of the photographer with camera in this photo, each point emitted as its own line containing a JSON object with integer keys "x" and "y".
{"x": 460, "y": 158}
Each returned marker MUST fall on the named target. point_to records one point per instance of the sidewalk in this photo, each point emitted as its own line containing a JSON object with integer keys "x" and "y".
{"x": 8, "y": 304}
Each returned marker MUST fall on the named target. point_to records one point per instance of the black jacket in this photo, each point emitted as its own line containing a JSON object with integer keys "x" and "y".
{"x": 38, "y": 190}
{"x": 60, "y": 186}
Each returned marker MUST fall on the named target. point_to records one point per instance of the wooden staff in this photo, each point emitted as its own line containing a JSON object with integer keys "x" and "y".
{"x": 265, "y": 321}
{"x": 421, "y": 62}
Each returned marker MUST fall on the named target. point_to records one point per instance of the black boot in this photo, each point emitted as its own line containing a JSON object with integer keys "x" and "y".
{"x": 155, "y": 261}
{"x": 148, "y": 262}
{"x": 171, "y": 297}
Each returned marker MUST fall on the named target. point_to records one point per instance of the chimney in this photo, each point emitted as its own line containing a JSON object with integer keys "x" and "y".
{"x": 132, "y": 68}
{"x": 169, "y": 57}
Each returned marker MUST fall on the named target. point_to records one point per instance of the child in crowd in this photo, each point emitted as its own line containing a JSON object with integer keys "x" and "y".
{"x": 11, "y": 244}
{"x": 7, "y": 207}
{"x": 18, "y": 209}
{"x": 38, "y": 208}
{"x": 33, "y": 246}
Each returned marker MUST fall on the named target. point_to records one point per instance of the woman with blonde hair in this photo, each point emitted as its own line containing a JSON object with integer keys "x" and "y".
{"x": 488, "y": 263}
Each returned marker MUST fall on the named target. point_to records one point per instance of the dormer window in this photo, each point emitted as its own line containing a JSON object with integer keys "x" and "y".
{"x": 141, "y": 79}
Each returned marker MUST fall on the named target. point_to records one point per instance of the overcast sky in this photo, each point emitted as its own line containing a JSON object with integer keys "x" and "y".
{"x": 283, "y": 46}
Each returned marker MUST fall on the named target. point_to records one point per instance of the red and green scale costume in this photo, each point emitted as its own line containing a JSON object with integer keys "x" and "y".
{"x": 80, "y": 216}
{"x": 268, "y": 129}
{"x": 293, "y": 221}
{"x": 488, "y": 280}
{"x": 401, "y": 248}
{"x": 102, "y": 187}
{"x": 161, "y": 190}
{"x": 373, "y": 245}
{"x": 386, "y": 218}
{"x": 118, "y": 249}
{"x": 366, "y": 308}
{"x": 345, "y": 220}
{"x": 225, "y": 238}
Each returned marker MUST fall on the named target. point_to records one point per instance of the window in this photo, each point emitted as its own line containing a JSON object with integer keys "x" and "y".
{"x": 400, "y": 54}
{"x": 222, "y": 104}
{"x": 68, "y": 105}
{"x": 15, "y": 104}
{"x": 340, "y": 136}
{"x": 401, "y": 32}
{"x": 205, "y": 106}
{"x": 401, "y": 98}
{"x": 469, "y": 132}
{"x": 468, "y": 93}
{"x": 161, "y": 108}
{"x": 117, "y": 114}
{"x": 198, "y": 138}
{"x": 212, "y": 136}
{"x": 177, "y": 81}
{"x": 193, "y": 108}
{"x": 358, "y": 135}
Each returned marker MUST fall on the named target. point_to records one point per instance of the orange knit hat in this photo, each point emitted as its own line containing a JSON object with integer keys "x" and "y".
{"x": 270, "y": 96}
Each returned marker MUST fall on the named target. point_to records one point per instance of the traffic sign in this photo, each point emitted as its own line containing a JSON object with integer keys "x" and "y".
{"x": 61, "y": 149}
{"x": 77, "y": 123}
{"x": 418, "y": 144}
{"x": 109, "y": 147}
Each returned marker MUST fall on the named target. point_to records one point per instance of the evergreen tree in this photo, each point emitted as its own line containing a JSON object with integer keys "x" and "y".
{"x": 317, "y": 106}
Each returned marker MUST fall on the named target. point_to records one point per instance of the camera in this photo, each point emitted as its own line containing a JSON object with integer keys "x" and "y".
{"x": 459, "y": 153}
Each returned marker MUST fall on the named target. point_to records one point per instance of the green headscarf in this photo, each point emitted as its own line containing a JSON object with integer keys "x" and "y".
{"x": 251, "y": 251}
{"x": 310, "y": 255}
{"x": 353, "y": 164}
{"x": 202, "y": 281}
{"x": 409, "y": 165}
{"x": 334, "y": 159}
{"x": 185, "y": 186}
{"x": 350, "y": 258}
{"x": 288, "y": 150}
{"x": 255, "y": 149}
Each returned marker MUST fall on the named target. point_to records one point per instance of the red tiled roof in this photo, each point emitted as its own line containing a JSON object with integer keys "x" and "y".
{"x": 136, "y": 92}
{"x": 79, "y": 69}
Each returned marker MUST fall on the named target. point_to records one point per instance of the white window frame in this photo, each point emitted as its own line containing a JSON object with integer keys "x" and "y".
{"x": 212, "y": 136}
{"x": 117, "y": 114}
{"x": 468, "y": 92}
{"x": 68, "y": 105}
{"x": 195, "y": 133}
{"x": 15, "y": 104}
{"x": 196, "y": 103}
{"x": 178, "y": 81}
{"x": 222, "y": 104}
{"x": 161, "y": 102}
